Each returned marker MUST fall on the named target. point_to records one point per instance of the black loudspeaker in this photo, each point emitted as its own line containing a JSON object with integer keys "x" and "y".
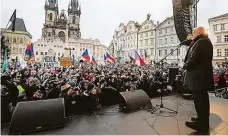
{"x": 182, "y": 18}
{"x": 109, "y": 96}
{"x": 133, "y": 100}
{"x": 173, "y": 72}
{"x": 39, "y": 115}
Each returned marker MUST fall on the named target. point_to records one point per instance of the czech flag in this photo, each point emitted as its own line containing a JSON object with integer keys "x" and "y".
{"x": 110, "y": 58}
{"x": 86, "y": 56}
{"x": 93, "y": 61}
{"x": 132, "y": 60}
{"x": 139, "y": 60}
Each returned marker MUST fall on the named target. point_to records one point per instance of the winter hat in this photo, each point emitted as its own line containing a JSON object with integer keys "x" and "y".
{"x": 90, "y": 87}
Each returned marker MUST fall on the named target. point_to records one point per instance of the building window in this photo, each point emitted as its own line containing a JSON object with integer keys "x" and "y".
{"x": 21, "y": 40}
{"x": 219, "y": 52}
{"x": 219, "y": 39}
{"x": 146, "y": 34}
{"x": 226, "y": 38}
{"x": 215, "y": 27}
{"x": 151, "y": 33}
{"x": 141, "y": 35}
{"x": 59, "y": 53}
{"x": 74, "y": 18}
{"x": 50, "y": 16}
{"x": 152, "y": 41}
{"x": 171, "y": 40}
{"x": 45, "y": 53}
{"x": 171, "y": 50}
{"x": 38, "y": 45}
{"x": 151, "y": 51}
{"x": 165, "y": 52}
{"x": 222, "y": 26}
{"x": 129, "y": 27}
{"x": 160, "y": 31}
{"x": 171, "y": 29}
{"x": 62, "y": 54}
{"x": 37, "y": 53}
{"x": 226, "y": 52}
{"x": 41, "y": 53}
{"x": 146, "y": 42}
{"x": 7, "y": 39}
{"x": 10, "y": 39}
{"x": 14, "y": 40}
{"x": 166, "y": 30}
{"x": 18, "y": 40}
{"x": 141, "y": 43}
{"x": 165, "y": 40}
{"x": 178, "y": 52}
{"x": 42, "y": 45}
{"x": 160, "y": 41}
{"x": 160, "y": 52}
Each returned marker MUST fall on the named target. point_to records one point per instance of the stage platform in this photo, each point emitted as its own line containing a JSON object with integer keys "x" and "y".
{"x": 108, "y": 121}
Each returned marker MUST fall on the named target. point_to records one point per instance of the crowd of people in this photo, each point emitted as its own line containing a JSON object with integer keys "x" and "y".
{"x": 85, "y": 87}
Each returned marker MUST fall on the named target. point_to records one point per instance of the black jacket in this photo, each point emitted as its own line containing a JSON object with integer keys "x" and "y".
{"x": 198, "y": 63}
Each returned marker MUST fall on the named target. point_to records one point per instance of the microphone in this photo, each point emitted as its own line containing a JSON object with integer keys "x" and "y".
{"x": 187, "y": 40}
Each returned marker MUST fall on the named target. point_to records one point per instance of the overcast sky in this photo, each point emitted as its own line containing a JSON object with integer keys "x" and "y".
{"x": 100, "y": 18}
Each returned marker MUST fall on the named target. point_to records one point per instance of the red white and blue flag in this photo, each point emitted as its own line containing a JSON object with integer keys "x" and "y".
{"x": 29, "y": 51}
{"x": 139, "y": 60}
{"x": 86, "y": 55}
{"x": 110, "y": 58}
{"x": 93, "y": 61}
{"x": 132, "y": 60}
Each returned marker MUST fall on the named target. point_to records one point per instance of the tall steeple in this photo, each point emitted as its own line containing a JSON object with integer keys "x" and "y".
{"x": 74, "y": 7}
{"x": 51, "y": 4}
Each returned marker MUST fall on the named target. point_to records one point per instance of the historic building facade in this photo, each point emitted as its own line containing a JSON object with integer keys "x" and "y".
{"x": 18, "y": 39}
{"x": 167, "y": 41}
{"x": 219, "y": 37}
{"x": 146, "y": 39}
{"x": 61, "y": 35}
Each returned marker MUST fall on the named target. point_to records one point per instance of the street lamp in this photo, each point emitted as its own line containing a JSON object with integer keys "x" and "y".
{"x": 69, "y": 50}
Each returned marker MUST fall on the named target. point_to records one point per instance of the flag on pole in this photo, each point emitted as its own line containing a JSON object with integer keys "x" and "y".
{"x": 139, "y": 60}
{"x": 13, "y": 20}
{"x": 93, "y": 60}
{"x": 110, "y": 58}
{"x": 85, "y": 55}
{"x": 73, "y": 59}
{"x": 5, "y": 61}
{"x": 132, "y": 60}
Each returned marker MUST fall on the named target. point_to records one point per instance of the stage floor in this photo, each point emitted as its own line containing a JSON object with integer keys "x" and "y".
{"x": 108, "y": 121}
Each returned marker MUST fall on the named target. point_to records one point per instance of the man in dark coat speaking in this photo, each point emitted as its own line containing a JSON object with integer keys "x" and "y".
{"x": 199, "y": 78}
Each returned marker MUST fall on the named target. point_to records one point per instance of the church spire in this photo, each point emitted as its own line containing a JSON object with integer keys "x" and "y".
{"x": 51, "y": 4}
{"x": 74, "y": 7}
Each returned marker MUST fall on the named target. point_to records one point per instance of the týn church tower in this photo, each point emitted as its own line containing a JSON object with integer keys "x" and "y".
{"x": 61, "y": 34}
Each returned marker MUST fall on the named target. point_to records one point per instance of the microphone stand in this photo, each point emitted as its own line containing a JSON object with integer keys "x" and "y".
{"x": 161, "y": 105}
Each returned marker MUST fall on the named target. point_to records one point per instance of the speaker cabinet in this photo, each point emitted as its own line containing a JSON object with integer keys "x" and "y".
{"x": 182, "y": 18}
{"x": 173, "y": 72}
{"x": 133, "y": 100}
{"x": 39, "y": 115}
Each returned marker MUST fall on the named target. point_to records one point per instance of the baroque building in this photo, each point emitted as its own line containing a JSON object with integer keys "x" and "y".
{"x": 167, "y": 41}
{"x": 61, "y": 34}
{"x": 146, "y": 39}
{"x": 219, "y": 37}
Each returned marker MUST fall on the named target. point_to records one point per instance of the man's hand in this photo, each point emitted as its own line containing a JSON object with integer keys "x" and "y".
{"x": 189, "y": 37}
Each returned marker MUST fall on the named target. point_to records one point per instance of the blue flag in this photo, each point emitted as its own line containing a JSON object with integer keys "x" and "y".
{"x": 73, "y": 60}
{"x": 5, "y": 62}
